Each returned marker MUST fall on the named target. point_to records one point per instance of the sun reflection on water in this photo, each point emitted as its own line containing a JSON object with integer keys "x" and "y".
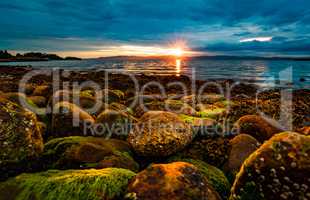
{"x": 178, "y": 65}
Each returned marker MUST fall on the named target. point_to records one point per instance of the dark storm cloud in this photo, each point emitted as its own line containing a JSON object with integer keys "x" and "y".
{"x": 209, "y": 25}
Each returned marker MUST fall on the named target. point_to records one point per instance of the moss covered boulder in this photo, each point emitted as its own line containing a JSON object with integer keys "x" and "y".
{"x": 159, "y": 133}
{"x": 86, "y": 99}
{"x": 257, "y": 127}
{"x": 108, "y": 184}
{"x": 87, "y": 152}
{"x": 178, "y": 180}
{"x": 242, "y": 146}
{"x": 112, "y": 123}
{"x": 279, "y": 169}
{"x": 68, "y": 119}
{"x": 20, "y": 138}
{"x": 215, "y": 176}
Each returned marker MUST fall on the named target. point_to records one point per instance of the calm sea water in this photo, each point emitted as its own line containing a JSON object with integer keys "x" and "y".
{"x": 263, "y": 72}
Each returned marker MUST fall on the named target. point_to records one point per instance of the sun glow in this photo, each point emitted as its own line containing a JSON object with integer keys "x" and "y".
{"x": 177, "y": 52}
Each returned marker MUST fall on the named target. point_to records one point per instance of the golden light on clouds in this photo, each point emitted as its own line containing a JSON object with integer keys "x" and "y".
{"x": 177, "y": 49}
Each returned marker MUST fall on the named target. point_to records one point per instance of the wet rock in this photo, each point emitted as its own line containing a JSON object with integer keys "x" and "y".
{"x": 212, "y": 150}
{"x": 27, "y": 88}
{"x": 174, "y": 106}
{"x": 120, "y": 107}
{"x": 305, "y": 130}
{"x": 257, "y": 127}
{"x": 179, "y": 107}
{"x": 43, "y": 90}
{"x": 68, "y": 119}
{"x": 279, "y": 169}
{"x": 200, "y": 125}
{"x": 242, "y": 146}
{"x": 178, "y": 180}
{"x": 112, "y": 96}
{"x": 20, "y": 99}
{"x": 215, "y": 176}
{"x": 20, "y": 138}
{"x": 111, "y": 123}
{"x": 203, "y": 99}
{"x": 108, "y": 184}
{"x": 40, "y": 101}
{"x": 87, "y": 152}
{"x": 86, "y": 99}
{"x": 159, "y": 133}
{"x": 211, "y": 111}
{"x": 142, "y": 99}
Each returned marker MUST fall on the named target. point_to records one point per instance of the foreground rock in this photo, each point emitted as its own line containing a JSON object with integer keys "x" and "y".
{"x": 68, "y": 119}
{"x": 108, "y": 184}
{"x": 241, "y": 147}
{"x": 215, "y": 176}
{"x": 279, "y": 169}
{"x": 20, "y": 138}
{"x": 257, "y": 127}
{"x": 159, "y": 133}
{"x": 87, "y": 152}
{"x": 175, "y": 181}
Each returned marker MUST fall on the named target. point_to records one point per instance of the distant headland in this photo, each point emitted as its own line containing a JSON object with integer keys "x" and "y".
{"x": 5, "y": 56}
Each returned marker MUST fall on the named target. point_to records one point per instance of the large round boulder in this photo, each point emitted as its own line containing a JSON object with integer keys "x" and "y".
{"x": 107, "y": 184}
{"x": 212, "y": 150}
{"x": 256, "y": 126}
{"x": 87, "y": 152}
{"x": 159, "y": 133}
{"x": 113, "y": 123}
{"x": 20, "y": 138}
{"x": 178, "y": 180}
{"x": 279, "y": 169}
{"x": 68, "y": 119}
{"x": 215, "y": 176}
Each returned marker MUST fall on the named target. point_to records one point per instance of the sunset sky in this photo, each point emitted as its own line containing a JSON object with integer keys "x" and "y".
{"x": 134, "y": 27}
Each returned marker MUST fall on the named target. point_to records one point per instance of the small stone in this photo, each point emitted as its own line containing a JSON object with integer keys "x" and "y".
{"x": 293, "y": 165}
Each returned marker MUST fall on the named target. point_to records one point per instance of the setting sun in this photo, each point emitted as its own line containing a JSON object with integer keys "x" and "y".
{"x": 177, "y": 52}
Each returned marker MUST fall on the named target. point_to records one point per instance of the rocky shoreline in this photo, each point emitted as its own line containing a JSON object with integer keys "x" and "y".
{"x": 148, "y": 139}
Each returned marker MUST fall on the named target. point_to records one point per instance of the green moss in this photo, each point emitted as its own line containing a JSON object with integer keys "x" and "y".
{"x": 190, "y": 119}
{"x": 119, "y": 93}
{"x": 211, "y": 113}
{"x": 87, "y": 93}
{"x": 215, "y": 176}
{"x": 21, "y": 139}
{"x": 109, "y": 183}
{"x": 65, "y": 153}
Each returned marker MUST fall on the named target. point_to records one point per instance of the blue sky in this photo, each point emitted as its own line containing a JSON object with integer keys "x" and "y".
{"x": 105, "y": 27}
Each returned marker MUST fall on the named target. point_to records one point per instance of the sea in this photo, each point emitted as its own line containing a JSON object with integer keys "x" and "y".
{"x": 266, "y": 73}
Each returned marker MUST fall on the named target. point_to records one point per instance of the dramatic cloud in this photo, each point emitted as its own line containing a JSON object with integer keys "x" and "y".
{"x": 207, "y": 25}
